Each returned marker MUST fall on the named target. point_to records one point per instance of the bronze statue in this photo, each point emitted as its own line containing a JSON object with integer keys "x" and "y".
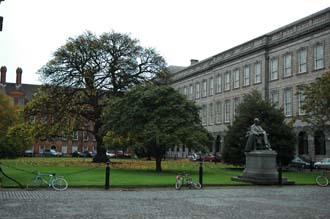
{"x": 257, "y": 138}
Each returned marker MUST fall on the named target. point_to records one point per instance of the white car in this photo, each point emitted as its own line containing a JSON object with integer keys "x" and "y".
{"x": 110, "y": 155}
{"x": 325, "y": 163}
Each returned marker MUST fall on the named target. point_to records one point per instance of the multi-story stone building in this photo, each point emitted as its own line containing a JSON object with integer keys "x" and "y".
{"x": 274, "y": 64}
{"x": 21, "y": 94}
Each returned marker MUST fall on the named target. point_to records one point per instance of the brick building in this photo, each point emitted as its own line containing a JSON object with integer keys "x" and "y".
{"x": 274, "y": 64}
{"x": 21, "y": 94}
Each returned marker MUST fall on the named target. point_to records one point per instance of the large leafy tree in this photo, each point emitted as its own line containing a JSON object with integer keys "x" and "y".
{"x": 157, "y": 118}
{"x": 280, "y": 135}
{"x": 83, "y": 74}
{"x": 317, "y": 103}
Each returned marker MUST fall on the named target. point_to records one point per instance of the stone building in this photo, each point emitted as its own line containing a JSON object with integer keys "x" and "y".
{"x": 20, "y": 95}
{"x": 274, "y": 64}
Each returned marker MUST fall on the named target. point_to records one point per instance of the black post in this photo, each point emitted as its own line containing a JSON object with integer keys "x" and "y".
{"x": 107, "y": 175}
{"x": 201, "y": 173}
{"x": 280, "y": 172}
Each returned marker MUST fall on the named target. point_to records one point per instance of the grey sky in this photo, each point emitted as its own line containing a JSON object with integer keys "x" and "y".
{"x": 179, "y": 30}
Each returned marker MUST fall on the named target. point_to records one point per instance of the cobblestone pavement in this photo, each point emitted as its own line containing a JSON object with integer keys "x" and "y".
{"x": 223, "y": 202}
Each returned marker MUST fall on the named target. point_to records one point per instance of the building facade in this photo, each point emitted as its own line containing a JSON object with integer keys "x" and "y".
{"x": 20, "y": 94}
{"x": 274, "y": 64}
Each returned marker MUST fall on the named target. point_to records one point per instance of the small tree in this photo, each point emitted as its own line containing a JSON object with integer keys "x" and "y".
{"x": 157, "y": 118}
{"x": 317, "y": 103}
{"x": 11, "y": 139}
{"x": 280, "y": 135}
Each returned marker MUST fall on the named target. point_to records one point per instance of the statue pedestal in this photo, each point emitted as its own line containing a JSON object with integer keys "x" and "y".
{"x": 261, "y": 169}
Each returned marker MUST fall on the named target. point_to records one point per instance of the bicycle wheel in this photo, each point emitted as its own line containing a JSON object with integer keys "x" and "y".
{"x": 178, "y": 183}
{"x": 197, "y": 185}
{"x": 322, "y": 180}
{"x": 60, "y": 184}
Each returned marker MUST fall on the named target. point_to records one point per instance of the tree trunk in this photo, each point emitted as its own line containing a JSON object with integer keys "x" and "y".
{"x": 101, "y": 156}
{"x": 158, "y": 164}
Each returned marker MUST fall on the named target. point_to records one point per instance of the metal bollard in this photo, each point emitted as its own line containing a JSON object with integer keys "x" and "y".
{"x": 201, "y": 173}
{"x": 280, "y": 173}
{"x": 107, "y": 176}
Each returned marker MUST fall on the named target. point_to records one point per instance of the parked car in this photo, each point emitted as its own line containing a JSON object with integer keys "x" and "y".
{"x": 120, "y": 154}
{"x": 300, "y": 163}
{"x": 51, "y": 153}
{"x": 211, "y": 158}
{"x": 82, "y": 154}
{"x": 324, "y": 163}
{"x": 28, "y": 153}
{"x": 110, "y": 155}
{"x": 194, "y": 157}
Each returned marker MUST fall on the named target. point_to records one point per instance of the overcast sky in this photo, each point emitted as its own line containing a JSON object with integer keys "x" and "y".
{"x": 179, "y": 30}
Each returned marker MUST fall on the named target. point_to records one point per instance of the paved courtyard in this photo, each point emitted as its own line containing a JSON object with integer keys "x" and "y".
{"x": 223, "y": 202}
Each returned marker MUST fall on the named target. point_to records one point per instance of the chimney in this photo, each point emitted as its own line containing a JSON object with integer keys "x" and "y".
{"x": 19, "y": 77}
{"x": 3, "y": 75}
{"x": 193, "y": 61}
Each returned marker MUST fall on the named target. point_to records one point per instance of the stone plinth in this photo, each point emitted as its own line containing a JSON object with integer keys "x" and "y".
{"x": 261, "y": 168}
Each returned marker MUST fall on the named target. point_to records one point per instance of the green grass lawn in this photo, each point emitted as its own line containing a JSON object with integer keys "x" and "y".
{"x": 128, "y": 173}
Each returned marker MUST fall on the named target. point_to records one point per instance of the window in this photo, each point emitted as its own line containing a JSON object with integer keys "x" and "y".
{"x": 198, "y": 91}
{"x": 75, "y": 135}
{"x": 301, "y": 100}
{"x": 236, "y": 78}
{"x": 204, "y": 88}
{"x": 236, "y": 103}
{"x": 318, "y": 57}
{"x": 85, "y": 135}
{"x": 218, "y": 84}
{"x": 227, "y": 81}
{"x": 257, "y": 73}
{"x": 63, "y": 135}
{"x": 288, "y": 102}
{"x": 211, "y": 116}
{"x": 185, "y": 91}
{"x": 273, "y": 69}
{"x": 227, "y": 111}
{"x": 319, "y": 142}
{"x": 302, "y": 143}
{"x": 191, "y": 91}
{"x": 204, "y": 115}
{"x": 246, "y": 75}
{"x": 211, "y": 85}
{"x": 287, "y": 62}
{"x": 274, "y": 98}
{"x": 302, "y": 61}
{"x": 218, "y": 113}
{"x": 64, "y": 149}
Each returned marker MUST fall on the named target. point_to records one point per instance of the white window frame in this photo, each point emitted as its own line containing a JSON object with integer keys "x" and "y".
{"x": 211, "y": 86}
{"x": 246, "y": 75}
{"x": 274, "y": 98}
{"x": 287, "y": 102}
{"x": 287, "y": 65}
{"x": 227, "y": 111}
{"x": 198, "y": 90}
{"x": 274, "y": 69}
{"x": 318, "y": 56}
{"x": 191, "y": 91}
{"x": 227, "y": 81}
{"x": 85, "y": 135}
{"x": 204, "y": 115}
{"x": 75, "y": 135}
{"x": 235, "y": 106}
{"x": 218, "y": 113}
{"x": 185, "y": 91}
{"x": 219, "y": 83}
{"x": 204, "y": 88}
{"x": 302, "y": 60}
{"x": 236, "y": 78}
{"x": 211, "y": 114}
{"x": 257, "y": 73}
